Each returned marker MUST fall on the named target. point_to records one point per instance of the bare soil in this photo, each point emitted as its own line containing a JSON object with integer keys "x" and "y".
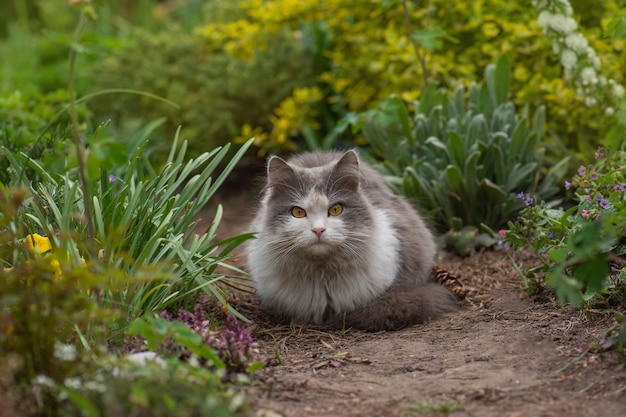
{"x": 501, "y": 354}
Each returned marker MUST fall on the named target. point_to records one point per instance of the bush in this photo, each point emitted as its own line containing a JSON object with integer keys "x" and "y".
{"x": 579, "y": 252}
{"x": 143, "y": 220}
{"x": 463, "y": 161}
{"x": 36, "y": 125}
{"x": 577, "y": 246}
{"x": 368, "y": 56}
{"x": 216, "y": 92}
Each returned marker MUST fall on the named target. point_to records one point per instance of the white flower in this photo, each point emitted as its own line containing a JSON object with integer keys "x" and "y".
{"x": 590, "y": 101}
{"x": 556, "y": 22}
{"x": 618, "y": 91}
{"x": 568, "y": 59}
{"x": 73, "y": 383}
{"x": 609, "y": 111}
{"x": 576, "y": 42}
{"x": 64, "y": 352}
{"x": 43, "y": 380}
{"x": 588, "y": 76}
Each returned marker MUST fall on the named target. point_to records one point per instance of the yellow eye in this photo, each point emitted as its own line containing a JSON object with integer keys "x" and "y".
{"x": 335, "y": 210}
{"x": 298, "y": 212}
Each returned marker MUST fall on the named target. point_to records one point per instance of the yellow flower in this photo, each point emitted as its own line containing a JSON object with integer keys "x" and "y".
{"x": 37, "y": 244}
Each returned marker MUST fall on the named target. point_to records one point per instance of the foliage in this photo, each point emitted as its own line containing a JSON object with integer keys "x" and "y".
{"x": 142, "y": 221}
{"x": 579, "y": 251}
{"x": 368, "y": 54}
{"x": 575, "y": 246}
{"x": 230, "y": 350}
{"x": 462, "y": 160}
{"x": 216, "y": 91}
{"x": 616, "y": 138}
{"x": 36, "y": 125}
{"x": 166, "y": 388}
{"x": 45, "y": 306}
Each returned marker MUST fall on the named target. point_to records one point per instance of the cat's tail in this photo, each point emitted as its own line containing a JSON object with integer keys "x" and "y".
{"x": 402, "y": 305}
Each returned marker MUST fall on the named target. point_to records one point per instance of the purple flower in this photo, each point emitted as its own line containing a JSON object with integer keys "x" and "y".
{"x": 568, "y": 185}
{"x": 604, "y": 203}
{"x": 595, "y": 175}
{"x": 585, "y": 213}
{"x": 582, "y": 169}
{"x": 599, "y": 154}
{"x": 551, "y": 235}
{"x": 528, "y": 201}
{"x": 598, "y": 197}
{"x": 112, "y": 178}
{"x": 520, "y": 195}
{"x": 622, "y": 186}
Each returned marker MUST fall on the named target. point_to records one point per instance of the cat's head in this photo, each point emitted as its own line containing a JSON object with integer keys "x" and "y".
{"x": 314, "y": 203}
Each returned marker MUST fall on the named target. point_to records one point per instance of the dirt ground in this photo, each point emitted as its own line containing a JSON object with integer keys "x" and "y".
{"x": 501, "y": 354}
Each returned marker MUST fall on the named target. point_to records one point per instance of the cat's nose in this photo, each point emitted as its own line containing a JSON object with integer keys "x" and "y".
{"x": 318, "y": 231}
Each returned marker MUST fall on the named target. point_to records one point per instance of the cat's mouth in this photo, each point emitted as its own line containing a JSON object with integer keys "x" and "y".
{"x": 320, "y": 246}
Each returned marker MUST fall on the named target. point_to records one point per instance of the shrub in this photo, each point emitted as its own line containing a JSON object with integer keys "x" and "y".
{"x": 577, "y": 246}
{"x": 463, "y": 161}
{"x": 35, "y": 125}
{"x": 143, "y": 221}
{"x": 368, "y": 56}
{"x": 217, "y": 91}
{"x": 580, "y": 251}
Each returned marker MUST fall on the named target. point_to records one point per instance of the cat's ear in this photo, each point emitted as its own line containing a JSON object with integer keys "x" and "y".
{"x": 278, "y": 172}
{"x": 346, "y": 171}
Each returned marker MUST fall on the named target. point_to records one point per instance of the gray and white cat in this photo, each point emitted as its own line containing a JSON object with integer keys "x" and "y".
{"x": 334, "y": 245}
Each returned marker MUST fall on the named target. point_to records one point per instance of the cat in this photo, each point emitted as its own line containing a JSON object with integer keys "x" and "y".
{"x": 336, "y": 246}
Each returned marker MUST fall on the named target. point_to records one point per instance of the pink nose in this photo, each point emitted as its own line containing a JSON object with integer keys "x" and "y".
{"x": 318, "y": 231}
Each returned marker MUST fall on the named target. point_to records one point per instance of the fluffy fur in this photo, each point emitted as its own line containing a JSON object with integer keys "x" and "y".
{"x": 367, "y": 267}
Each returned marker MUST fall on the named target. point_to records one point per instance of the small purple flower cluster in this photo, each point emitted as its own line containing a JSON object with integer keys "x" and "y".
{"x": 588, "y": 181}
{"x": 237, "y": 348}
{"x": 527, "y": 200}
{"x": 234, "y": 344}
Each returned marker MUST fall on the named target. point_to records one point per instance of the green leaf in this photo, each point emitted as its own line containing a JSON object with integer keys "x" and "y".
{"x": 502, "y": 79}
{"x": 539, "y": 121}
{"x": 82, "y": 402}
{"x": 255, "y": 366}
{"x": 593, "y": 273}
{"x": 615, "y": 137}
{"x": 616, "y": 28}
{"x": 494, "y": 193}
{"x": 567, "y": 288}
{"x": 455, "y": 178}
{"x": 141, "y": 327}
{"x": 478, "y": 130}
{"x": 456, "y": 149}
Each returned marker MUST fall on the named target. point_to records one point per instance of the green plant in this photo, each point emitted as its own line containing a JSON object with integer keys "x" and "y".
{"x": 142, "y": 219}
{"x": 50, "y": 327}
{"x": 576, "y": 247}
{"x": 579, "y": 252}
{"x": 218, "y": 91}
{"x": 36, "y": 125}
{"x": 370, "y": 54}
{"x": 230, "y": 350}
{"x": 463, "y": 160}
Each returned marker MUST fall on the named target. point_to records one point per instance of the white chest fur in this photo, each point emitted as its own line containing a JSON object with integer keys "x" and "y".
{"x": 341, "y": 279}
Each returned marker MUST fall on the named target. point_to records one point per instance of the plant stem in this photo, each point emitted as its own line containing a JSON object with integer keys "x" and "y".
{"x": 418, "y": 51}
{"x": 80, "y": 148}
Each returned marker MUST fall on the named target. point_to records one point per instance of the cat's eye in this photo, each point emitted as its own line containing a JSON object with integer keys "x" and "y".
{"x": 298, "y": 212}
{"x": 335, "y": 210}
